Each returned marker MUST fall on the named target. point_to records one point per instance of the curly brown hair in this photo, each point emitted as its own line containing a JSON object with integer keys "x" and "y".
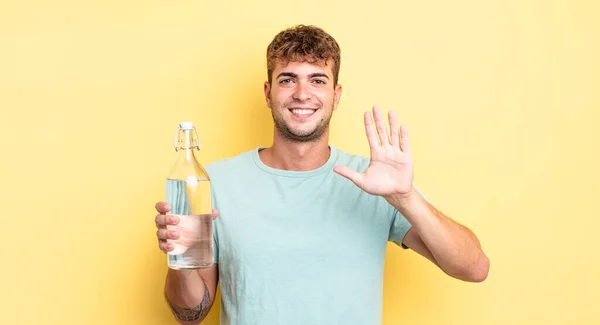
{"x": 303, "y": 43}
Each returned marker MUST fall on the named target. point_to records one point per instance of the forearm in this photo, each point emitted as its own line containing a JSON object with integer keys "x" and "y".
{"x": 188, "y": 296}
{"x": 454, "y": 247}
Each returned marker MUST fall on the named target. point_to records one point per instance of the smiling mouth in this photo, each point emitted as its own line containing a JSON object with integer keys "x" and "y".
{"x": 302, "y": 112}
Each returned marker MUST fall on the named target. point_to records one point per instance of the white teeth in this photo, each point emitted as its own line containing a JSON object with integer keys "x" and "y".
{"x": 302, "y": 111}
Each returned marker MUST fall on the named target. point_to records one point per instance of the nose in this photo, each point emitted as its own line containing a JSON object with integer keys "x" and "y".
{"x": 302, "y": 93}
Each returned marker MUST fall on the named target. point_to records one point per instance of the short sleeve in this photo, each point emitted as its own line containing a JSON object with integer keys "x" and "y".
{"x": 399, "y": 227}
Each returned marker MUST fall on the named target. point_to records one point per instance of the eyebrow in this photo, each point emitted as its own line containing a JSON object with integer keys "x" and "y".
{"x": 294, "y": 75}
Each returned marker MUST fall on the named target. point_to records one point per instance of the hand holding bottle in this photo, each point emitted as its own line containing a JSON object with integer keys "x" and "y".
{"x": 169, "y": 230}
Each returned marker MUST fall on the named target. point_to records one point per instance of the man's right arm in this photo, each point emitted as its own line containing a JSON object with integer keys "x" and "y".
{"x": 191, "y": 293}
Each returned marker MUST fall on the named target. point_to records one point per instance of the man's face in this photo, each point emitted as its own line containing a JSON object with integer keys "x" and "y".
{"x": 302, "y": 98}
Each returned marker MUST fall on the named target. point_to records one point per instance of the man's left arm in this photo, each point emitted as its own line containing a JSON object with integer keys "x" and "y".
{"x": 451, "y": 246}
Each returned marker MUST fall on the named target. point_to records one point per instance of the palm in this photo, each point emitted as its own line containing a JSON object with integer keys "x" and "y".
{"x": 390, "y": 171}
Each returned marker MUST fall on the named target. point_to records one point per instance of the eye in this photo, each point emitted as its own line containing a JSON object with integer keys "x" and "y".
{"x": 319, "y": 81}
{"x": 286, "y": 81}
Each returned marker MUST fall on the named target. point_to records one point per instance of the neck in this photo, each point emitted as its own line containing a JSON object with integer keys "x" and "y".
{"x": 296, "y": 156}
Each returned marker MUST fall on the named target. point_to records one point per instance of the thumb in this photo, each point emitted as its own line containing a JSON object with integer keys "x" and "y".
{"x": 350, "y": 174}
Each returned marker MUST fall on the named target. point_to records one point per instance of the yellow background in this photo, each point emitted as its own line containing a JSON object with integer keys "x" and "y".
{"x": 500, "y": 98}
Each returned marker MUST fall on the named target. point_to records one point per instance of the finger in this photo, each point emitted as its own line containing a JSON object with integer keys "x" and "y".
{"x": 215, "y": 214}
{"x": 381, "y": 128}
{"x": 165, "y": 246}
{"x": 404, "y": 144}
{"x": 394, "y": 129}
{"x": 355, "y": 177}
{"x": 164, "y": 234}
{"x": 163, "y": 207}
{"x": 161, "y": 234}
{"x": 371, "y": 136}
{"x": 162, "y": 220}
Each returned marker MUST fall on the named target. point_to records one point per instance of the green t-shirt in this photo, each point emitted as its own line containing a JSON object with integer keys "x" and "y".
{"x": 299, "y": 247}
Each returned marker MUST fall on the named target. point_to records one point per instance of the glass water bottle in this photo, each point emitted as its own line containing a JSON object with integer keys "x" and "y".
{"x": 189, "y": 194}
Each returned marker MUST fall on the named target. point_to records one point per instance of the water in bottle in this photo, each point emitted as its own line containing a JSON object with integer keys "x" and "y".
{"x": 189, "y": 194}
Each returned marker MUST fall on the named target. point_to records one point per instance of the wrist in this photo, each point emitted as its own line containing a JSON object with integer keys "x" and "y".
{"x": 404, "y": 199}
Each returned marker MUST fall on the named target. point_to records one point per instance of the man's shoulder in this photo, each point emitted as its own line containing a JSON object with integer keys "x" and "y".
{"x": 230, "y": 163}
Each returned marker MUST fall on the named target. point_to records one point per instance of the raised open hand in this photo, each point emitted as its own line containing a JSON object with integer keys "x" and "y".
{"x": 390, "y": 172}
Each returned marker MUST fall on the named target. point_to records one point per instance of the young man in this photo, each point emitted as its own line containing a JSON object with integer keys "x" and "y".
{"x": 303, "y": 227}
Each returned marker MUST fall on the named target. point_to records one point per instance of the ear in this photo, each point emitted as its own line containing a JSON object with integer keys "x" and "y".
{"x": 337, "y": 95}
{"x": 267, "y": 90}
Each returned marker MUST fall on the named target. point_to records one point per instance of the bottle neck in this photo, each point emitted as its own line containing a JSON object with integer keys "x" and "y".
{"x": 186, "y": 145}
{"x": 187, "y": 165}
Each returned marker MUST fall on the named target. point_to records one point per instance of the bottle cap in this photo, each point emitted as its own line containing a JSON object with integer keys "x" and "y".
{"x": 186, "y": 125}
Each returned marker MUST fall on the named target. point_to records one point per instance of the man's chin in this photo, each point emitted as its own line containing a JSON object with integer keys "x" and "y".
{"x": 302, "y": 136}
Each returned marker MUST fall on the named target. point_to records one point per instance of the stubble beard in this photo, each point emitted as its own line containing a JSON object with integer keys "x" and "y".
{"x": 287, "y": 133}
